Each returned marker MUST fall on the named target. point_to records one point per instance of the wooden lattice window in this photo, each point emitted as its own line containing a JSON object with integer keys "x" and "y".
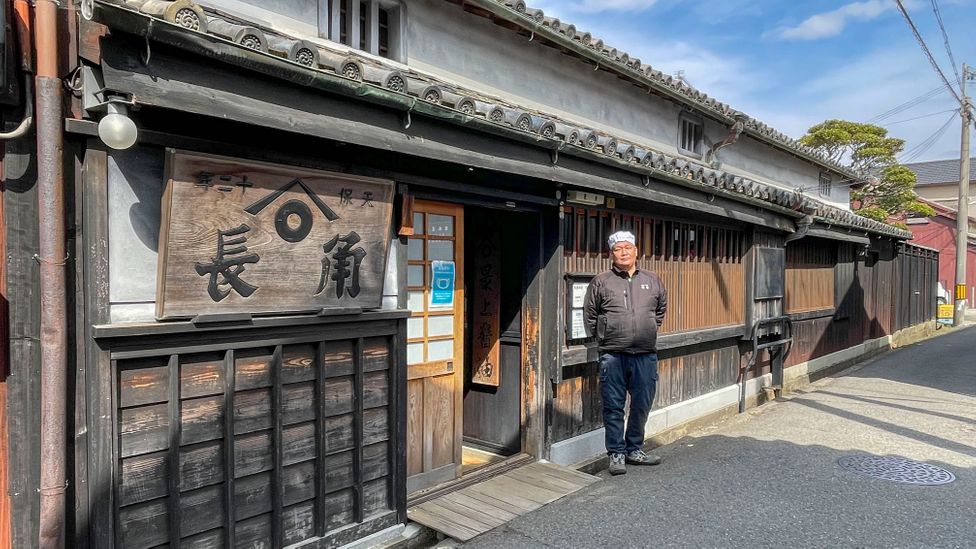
{"x": 826, "y": 184}
{"x": 700, "y": 264}
{"x": 691, "y": 132}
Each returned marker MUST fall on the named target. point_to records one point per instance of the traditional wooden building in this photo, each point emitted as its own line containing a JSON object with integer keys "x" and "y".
{"x": 336, "y": 264}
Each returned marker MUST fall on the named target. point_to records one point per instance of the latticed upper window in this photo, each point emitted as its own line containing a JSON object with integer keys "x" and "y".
{"x": 369, "y": 25}
{"x": 690, "y": 134}
{"x": 826, "y": 184}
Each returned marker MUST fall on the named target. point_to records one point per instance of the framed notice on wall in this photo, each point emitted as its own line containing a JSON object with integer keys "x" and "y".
{"x": 576, "y": 286}
{"x": 251, "y": 237}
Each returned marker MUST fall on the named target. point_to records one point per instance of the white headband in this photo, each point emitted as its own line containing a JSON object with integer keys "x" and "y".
{"x": 621, "y": 236}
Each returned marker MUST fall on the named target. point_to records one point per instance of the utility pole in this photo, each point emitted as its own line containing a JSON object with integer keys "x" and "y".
{"x": 962, "y": 212}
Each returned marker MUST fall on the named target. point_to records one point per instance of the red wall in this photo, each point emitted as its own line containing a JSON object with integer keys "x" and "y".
{"x": 940, "y": 233}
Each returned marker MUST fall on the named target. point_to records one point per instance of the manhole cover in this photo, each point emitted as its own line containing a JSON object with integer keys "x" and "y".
{"x": 897, "y": 469}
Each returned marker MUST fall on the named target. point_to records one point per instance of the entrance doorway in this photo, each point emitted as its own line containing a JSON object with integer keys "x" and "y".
{"x": 495, "y": 274}
{"x": 465, "y": 284}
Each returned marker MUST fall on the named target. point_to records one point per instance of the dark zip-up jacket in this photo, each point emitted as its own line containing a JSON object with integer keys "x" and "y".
{"x": 624, "y": 312}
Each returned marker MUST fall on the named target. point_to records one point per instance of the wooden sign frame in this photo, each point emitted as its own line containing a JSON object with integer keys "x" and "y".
{"x": 246, "y": 237}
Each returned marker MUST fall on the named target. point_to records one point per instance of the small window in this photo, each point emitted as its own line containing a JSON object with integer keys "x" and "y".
{"x": 826, "y": 184}
{"x": 690, "y": 134}
{"x": 372, "y": 25}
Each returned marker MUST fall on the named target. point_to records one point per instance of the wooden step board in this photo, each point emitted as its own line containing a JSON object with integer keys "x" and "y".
{"x": 476, "y": 509}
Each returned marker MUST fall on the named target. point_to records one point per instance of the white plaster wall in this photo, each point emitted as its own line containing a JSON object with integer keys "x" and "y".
{"x": 442, "y": 39}
{"x": 446, "y": 41}
{"x": 135, "y": 188}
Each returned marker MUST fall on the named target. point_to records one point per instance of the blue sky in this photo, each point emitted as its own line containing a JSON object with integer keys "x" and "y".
{"x": 794, "y": 63}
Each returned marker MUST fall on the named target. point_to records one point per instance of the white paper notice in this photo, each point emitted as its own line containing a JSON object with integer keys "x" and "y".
{"x": 578, "y": 328}
{"x": 579, "y": 293}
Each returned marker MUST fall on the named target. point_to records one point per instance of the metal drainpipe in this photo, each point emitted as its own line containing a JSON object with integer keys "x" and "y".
{"x": 52, "y": 258}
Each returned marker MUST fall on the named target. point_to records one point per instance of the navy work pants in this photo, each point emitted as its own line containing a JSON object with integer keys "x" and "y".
{"x": 622, "y": 373}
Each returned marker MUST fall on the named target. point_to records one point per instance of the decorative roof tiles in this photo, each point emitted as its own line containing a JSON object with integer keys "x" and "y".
{"x": 633, "y": 67}
{"x": 563, "y": 134}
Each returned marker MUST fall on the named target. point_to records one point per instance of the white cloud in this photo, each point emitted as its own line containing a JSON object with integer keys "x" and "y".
{"x": 860, "y": 90}
{"x": 832, "y": 23}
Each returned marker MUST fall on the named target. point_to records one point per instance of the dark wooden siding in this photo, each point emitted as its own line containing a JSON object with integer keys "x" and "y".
{"x": 879, "y": 291}
{"x": 257, "y": 443}
{"x": 683, "y": 374}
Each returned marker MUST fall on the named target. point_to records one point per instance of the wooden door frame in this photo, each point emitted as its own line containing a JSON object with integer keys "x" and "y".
{"x": 540, "y": 302}
{"x": 443, "y": 207}
{"x": 540, "y": 329}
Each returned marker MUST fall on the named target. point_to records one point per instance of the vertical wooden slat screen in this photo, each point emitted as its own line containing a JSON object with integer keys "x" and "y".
{"x": 704, "y": 275}
{"x": 255, "y": 446}
{"x": 810, "y": 275}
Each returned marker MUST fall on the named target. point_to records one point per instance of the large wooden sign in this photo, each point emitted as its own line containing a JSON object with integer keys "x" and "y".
{"x": 250, "y": 237}
{"x": 485, "y": 313}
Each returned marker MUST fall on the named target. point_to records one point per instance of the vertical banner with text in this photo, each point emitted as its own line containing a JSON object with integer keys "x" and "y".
{"x": 485, "y": 308}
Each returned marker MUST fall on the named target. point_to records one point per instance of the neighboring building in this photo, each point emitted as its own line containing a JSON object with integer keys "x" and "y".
{"x": 939, "y": 232}
{"x": 348, "y": 247}
{"x": 938, "y": 181}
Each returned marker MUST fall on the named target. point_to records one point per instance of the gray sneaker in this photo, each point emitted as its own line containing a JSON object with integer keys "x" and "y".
{"x": 638, "y": 457}
{"x": 617, "y": 465}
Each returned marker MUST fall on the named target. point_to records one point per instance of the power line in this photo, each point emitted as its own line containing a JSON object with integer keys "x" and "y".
{"x": 925, "y": 49}
{"x": 908, "y": 156}
{"x": 927, "y": 144}
{"x": 920, "y": 117}
{"x": 945, "y": 38}
{"x": 908, "y": 104}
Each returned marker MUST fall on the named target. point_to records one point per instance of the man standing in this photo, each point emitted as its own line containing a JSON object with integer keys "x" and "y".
{"x": 624, "y": 308}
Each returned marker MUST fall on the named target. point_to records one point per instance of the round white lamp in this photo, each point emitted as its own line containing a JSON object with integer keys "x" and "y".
{"x": 116, "y": 129}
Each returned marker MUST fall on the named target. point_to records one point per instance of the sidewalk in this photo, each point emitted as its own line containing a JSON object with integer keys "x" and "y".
{"x": 771, "y": 477}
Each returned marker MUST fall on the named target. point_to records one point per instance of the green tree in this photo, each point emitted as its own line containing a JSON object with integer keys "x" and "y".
{"x": 888, "y": 191}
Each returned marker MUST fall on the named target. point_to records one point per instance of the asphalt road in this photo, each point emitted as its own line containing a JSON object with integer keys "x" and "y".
{"x": 770, "y": 478}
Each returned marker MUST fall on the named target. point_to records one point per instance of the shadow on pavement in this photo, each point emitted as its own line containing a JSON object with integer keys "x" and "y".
{"x": 948, "y": 363}
{"x": 738, "y": 491}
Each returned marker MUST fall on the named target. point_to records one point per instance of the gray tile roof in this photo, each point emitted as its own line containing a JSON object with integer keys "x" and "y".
{"x": 940, "y": 171}
{"x": 573, "y": 39}
{"x": 426, "y": 93}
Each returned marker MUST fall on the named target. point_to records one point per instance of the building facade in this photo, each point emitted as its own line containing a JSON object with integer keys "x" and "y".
{"x": 938, "y": 181}
{"x": 342, "y": 260}
{"x": 939, "y": 232}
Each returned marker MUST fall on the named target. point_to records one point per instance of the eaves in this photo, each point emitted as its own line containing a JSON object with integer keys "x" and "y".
{"x": 408, "y": 101}
{"x": 533, "y": 21}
